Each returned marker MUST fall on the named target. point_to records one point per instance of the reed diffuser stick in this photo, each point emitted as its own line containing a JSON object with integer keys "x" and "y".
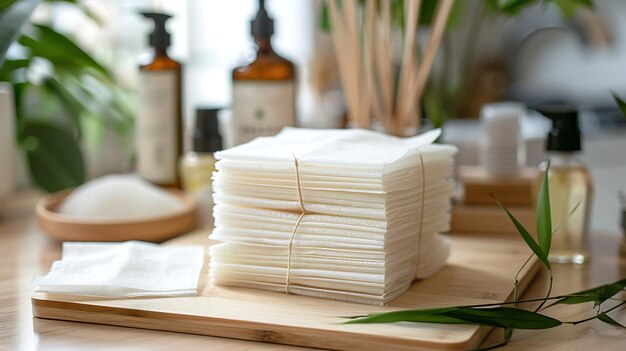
{"x": 407, "y": 70}
{"x": 366, "y": 65}
{"x": 342, "y": 55}
{"x": 369, "y": 40}
{"x": 351, "y": 15}
{"x": 417, "y": 87}
{"x": 384, "y": 63}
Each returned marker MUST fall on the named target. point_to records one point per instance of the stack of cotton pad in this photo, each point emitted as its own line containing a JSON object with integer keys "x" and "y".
{"x": 499, "y": 149}
{"x": 374, "y": 206}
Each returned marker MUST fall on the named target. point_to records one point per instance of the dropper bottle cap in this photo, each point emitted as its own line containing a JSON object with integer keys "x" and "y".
{"x": 159, "y": 39}
{"x": 262, "y": 26}
{"x": 206, "y": 134}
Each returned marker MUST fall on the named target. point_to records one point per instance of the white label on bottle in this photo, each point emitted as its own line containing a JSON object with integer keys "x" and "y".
{"x": 262, "y": 108}
{"x": 157, "y": 139}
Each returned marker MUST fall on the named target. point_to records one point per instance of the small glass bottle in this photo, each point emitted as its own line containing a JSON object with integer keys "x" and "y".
{"x": 570, "y": 187}
{"x": 197, "y": 166}
{"x": 263, "y": 90}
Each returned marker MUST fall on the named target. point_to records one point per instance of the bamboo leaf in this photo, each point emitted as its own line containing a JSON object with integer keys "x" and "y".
{"x": 501, "y": 317}
{"x": 620, "y": 103}
{"x": 424, "y": 316}
{"x": 544, "y": 217}
{"x": 598, "y": 294}
{"x": 527, "y": 237}
{"x": 504, "y": 317}
{"x": 608, "y": 320}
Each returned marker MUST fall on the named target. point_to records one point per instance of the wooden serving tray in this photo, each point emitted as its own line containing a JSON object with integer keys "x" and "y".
{"x": 480, "y": 270}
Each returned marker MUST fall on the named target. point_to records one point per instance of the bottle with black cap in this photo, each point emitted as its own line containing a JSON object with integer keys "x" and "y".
{"x": 264, "y": 89}
{"x": 570, "y": 187}
{"x": 159, "y": 121}
{"x": 198, "y": 164}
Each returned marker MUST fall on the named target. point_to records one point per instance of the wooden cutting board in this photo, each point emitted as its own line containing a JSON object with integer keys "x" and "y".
{"x": 480, "y": 270}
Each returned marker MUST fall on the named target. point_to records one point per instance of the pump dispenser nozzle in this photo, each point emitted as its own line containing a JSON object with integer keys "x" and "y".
{"x": 262, "y": 26}
{"x": 565, "y": 133}
{"x": 159, "y": 38}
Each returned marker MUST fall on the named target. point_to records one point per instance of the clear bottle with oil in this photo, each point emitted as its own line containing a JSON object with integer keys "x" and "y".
{"x": 571, "y": 189}
{"x": 198, "y": 165}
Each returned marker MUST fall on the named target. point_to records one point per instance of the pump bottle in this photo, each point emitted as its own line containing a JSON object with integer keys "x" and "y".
{"x": 159, "y": 122}
{"x": 263, "y": 90}
{"x": 570, "y": 188}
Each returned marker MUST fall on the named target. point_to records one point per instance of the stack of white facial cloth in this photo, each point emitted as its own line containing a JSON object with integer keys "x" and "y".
{"x": 351, "y": 215}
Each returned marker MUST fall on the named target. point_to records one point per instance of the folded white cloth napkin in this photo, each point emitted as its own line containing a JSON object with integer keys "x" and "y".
{"x": 129, "y": 269}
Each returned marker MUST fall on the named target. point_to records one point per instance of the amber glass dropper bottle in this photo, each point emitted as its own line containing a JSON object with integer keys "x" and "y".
{"x": 263, "y": 90}
{"x": 159, "y": 123}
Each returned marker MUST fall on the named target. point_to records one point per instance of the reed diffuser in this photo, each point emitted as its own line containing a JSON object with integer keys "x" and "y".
{"x": 362, "y": 40}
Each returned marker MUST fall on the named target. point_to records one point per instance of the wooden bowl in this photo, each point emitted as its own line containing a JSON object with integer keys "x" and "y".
{"x": 69, "y": 228}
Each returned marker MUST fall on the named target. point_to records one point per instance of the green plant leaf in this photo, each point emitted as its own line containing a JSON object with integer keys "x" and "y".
{"x": 324, "y": 18}
{"x": 73, "y": 106}
{"x": 54, "y": 156}
{"x": 4, "y": 4}
{"x": 608, "y": 320}
{"x": 620, "y": 103}
{"x": 6, "y": 71}
{"x": 512, "y": 7}
{"x": 598, "y": 294}
{"x": 508, "y": 7}
{"x": 101, "y": 100}
{"x": 505, "y": 317}
{"x": 431, "y": 315}
{"x": 13, "y": 15}
{"x": 60, "y": 50}
{"x": 18, "y": 96}
{"x": 570, "y": 7}
{"x": 501, "y": 317}
{"x": 527, "y": 238}
{"x": 544, "y": 217}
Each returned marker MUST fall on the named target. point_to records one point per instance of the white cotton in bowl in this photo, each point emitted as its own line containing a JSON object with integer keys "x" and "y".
{"x": 117, "y": 198}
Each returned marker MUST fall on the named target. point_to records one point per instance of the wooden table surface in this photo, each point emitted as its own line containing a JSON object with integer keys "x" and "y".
{"x": 25, "y": 253}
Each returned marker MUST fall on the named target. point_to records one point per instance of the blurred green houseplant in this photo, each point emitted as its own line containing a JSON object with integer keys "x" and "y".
{"x": 441, "y": 98}
{"x": 60, "y": 91}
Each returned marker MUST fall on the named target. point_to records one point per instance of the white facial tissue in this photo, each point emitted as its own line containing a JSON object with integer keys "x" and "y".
{"x": 129, "y": 269}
